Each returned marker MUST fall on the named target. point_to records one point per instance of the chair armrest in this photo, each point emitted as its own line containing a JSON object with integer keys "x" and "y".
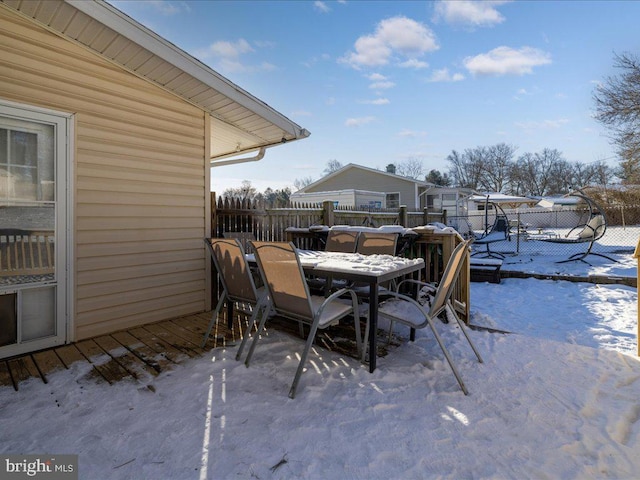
{"x": 429, "y": 286}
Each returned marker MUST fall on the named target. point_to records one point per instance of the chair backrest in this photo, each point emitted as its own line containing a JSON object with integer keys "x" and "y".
{"x": 341, "y": 241}
{"x": 449, "y": 277}
{"x": 594, "y": 228}
{"x": 371, "y": 243}
{"x": 282, "y": 273}
{"x": 231, "y": 264}
{"x": 244, "y": 237}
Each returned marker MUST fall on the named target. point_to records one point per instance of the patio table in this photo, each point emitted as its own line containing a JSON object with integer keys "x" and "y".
{"x": 373, "y": 270}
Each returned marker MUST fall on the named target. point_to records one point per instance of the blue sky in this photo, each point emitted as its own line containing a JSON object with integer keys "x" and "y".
{"x": 379, "y": 82}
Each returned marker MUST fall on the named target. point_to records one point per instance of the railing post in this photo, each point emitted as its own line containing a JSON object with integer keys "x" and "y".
{"x": 402, "y": 216}
{"x": 327, "y": 213}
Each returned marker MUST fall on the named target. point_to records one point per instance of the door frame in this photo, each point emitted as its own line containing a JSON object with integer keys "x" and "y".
{"x": 64, "y": 219}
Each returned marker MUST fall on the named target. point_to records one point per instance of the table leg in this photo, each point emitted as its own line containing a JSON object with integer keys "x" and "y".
{"x": 373, "y": 325}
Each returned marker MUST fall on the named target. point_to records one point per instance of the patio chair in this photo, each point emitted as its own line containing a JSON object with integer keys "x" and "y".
{"x": 408, "y": 311}
{"x": 341, "y": 241}
{"x": 372, "y": 243}
{"x": 589, "y": 232}
{"x": 499, "y": 232}
{"x": 238, "y": 286}
{"x": 284, "y": 278}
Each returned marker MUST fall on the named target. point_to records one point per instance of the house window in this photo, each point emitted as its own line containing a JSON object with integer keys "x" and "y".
{"x": 393, "y": 200}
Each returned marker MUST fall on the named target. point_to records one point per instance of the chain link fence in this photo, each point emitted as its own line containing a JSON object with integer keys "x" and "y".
{"x": 547, "y": 231}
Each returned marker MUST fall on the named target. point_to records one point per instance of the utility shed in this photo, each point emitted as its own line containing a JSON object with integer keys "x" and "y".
{"x": 107, "y": 135}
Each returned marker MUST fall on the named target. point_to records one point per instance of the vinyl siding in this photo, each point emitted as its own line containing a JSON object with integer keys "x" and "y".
{"x": 139, "y": 179}
{"x": 358, "y": 179}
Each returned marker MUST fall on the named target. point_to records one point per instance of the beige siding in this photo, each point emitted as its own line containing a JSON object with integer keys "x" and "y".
{"x": 358, "y": 179}
{"x": 139, "y": 178}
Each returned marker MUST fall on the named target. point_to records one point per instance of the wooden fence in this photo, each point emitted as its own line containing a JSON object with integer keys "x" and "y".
{"x": 270, "y": 224}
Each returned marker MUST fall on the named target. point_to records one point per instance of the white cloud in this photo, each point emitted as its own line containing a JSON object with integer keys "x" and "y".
{"x": 377, "y": 101}
{"x": 381, "y": 85}
{"x": 376, "y": 77}
{"x": 321, "y": 7}
{"x": 472, "y": 13}
{"x": 227, "y": 56}
{"x": 393, "y": 36}
{"x": 414, "y": 63}
{"x": 443, "y": 75}
{"x": 227, "y": 49}
{"x": 507, "y": 61}
{"x": 358, "y": 121}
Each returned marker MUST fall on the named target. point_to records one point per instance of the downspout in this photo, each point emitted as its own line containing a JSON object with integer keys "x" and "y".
{"x": 233, "y": 161}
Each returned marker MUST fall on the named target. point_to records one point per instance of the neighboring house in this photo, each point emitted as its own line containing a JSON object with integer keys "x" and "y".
{"x": 107, "y": 135}
{"x": 398, "y": 190}
{"x": 449, "y": 200}
{"x": 344, "y": 198}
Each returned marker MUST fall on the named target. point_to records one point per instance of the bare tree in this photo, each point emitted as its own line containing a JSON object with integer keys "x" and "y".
{"x": 245, "y": 192}
{"x": 299, "y": 183}
{"x": 411, "y": 168}
{"x": 465, "y": 169}
{"x": 497, "y": 160}
{"x": 332, "y": 166}
{"x": 618, "y": 107}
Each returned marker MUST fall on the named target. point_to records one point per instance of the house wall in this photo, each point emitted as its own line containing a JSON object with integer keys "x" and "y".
{"x": 364, "y": 180}
{"x": 139, "y": 179}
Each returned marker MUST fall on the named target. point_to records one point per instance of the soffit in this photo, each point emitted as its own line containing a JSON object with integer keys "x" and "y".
{"x": 240, "y": 121}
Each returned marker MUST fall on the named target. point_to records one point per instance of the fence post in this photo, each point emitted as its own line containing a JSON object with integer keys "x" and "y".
{"x": 327, "y": 213}
{"x": 425, "y": 215}
{"x": 402, "y": 216}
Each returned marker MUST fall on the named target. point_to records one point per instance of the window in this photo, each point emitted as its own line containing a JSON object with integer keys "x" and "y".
{"x": 26, "y": 172}
{"x": 393, "y": 200}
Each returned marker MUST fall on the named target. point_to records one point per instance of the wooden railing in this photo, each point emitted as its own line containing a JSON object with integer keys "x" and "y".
{"x": 233, "y": 215}
{"x": 26, "y": 252}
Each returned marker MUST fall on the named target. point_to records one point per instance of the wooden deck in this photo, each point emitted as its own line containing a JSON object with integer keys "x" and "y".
{"x": 143, "y": 352}
{"x": 134, "y": 354}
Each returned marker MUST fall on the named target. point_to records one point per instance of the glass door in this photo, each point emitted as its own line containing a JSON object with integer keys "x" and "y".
{"x": 33, "y": 166}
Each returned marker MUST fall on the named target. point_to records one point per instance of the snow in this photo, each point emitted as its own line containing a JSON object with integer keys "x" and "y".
{"x": 558, "y": 398}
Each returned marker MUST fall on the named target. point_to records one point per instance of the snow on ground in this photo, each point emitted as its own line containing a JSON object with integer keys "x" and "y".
{"x": 556, "y": 399}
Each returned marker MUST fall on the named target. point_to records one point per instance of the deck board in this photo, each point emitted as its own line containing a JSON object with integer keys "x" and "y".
{"x": 69, "y": 354}
{"x": 176, "y": 342}
{"x": 123, "y": 357}
{"x": 103, "y": 363}
{"x": 138, "y": 348}
{"x": 5, "y": 376}
{"x": 47, "y": 362}
{"x": 23, "y": 369}
{"x": 158, "y": 345}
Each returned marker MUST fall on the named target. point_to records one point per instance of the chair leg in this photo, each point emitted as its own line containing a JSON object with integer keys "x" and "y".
{"x": 466, "y": 334}
{"x": 263, "y": 320}
{"x": 303, "y": 359}
{"x": 214, "y": 317}
{"x": 448, "y": 357}
{"x": 254, "y": 316}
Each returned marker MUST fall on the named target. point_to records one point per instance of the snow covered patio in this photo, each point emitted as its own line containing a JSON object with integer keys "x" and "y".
{"x": 557, "y": 399}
